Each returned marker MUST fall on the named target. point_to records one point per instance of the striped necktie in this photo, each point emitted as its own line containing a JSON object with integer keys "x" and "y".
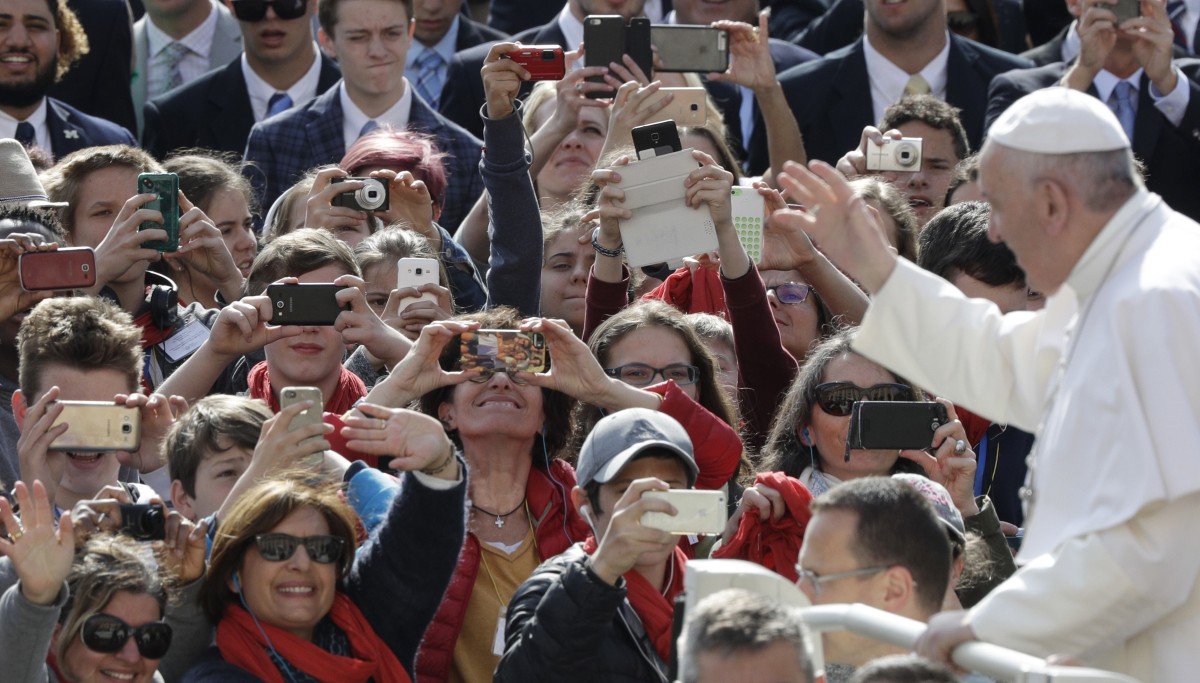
{"x": 173, "y": 55}
{"x": 429, "y": 76}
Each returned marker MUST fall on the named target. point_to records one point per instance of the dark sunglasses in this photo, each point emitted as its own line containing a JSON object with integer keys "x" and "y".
{"x": 791, "y": 293}
{"x": 324, "y": 548}
{"x": 838, "y": 398}
{"x": 106, "y": 633}
{"x": 256, "y": 10}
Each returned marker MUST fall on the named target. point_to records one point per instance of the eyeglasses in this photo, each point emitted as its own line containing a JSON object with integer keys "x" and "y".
{"x": 791, "y": 293}
{"x": 641, "y": 375}
{"x": 106, "y": 633}
{"x": 256, "y": 10}
{"x": 838, "y": 398}
{"x": 816, "y": 580}
{"x": 486, "y": 374}
{"x": 324, "y": 548}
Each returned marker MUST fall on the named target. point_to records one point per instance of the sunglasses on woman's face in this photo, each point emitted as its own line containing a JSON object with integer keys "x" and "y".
{"x": 791, "y": 293}
{"x": 256, "y": 10}
{"x": 106, "y": 633}
{"x": 324, "y": 548}
{"x": 838, "y": 398}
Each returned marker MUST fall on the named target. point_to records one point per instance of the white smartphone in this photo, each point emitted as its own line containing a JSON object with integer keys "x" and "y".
{"x": 414, "y": 272}
{"x": 699, "y": 512}
{"x": 748, "y": 208}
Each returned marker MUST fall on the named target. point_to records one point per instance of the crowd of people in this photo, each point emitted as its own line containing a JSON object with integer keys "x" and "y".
{"x": 371, "y": 497}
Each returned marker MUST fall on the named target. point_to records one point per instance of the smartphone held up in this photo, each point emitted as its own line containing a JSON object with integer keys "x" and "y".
{"x": 503, "y": 351}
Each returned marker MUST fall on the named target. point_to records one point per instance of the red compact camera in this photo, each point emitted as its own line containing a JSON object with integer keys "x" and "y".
{"x": 543, "y": 62}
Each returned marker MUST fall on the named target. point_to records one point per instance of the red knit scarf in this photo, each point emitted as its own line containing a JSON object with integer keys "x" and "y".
{"x": 243, "y": 645}
{"x": 655, "y": 609}
{"x": 773, "y": 544}
{"x": 349, "y": 389}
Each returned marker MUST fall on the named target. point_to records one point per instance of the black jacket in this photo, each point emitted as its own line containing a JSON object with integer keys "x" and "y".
{"x": 567, "y": 624}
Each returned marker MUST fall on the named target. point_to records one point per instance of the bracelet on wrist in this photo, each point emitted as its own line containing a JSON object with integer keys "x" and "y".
{"x": 605, "y": 251}
{"x": 442, "y": 466}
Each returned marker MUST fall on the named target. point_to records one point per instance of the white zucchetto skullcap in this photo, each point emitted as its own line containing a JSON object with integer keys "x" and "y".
{"x": 1059, "y": 120}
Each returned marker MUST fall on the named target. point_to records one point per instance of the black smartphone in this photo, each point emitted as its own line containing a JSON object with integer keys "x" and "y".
{"x": 685, "y": 47}
{"x": 604, "y": 42}
{"x": 304, "y": 304}
{"x": 637, "y": 45}
{"x": 166, "y": 186}
{"x": 656, "y": 139}
{"x": 895, "y": 424}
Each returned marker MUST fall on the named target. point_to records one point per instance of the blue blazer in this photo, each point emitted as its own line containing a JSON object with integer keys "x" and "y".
{"x": 831, "y": 97}
{"x": 284, "y": 147}
{"x": 72, "y": 130}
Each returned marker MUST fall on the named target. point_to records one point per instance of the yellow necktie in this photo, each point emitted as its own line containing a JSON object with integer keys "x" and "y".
{"x": 917, "y": 85}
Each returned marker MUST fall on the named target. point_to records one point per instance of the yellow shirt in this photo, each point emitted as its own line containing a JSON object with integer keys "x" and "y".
{"x": 477, "y": 651}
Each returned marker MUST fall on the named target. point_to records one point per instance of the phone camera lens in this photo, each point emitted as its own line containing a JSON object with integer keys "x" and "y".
{"x": 86, "y": 267}
{"x": 419, "y": 271}
{"x": 125, "y": 429}
{"x": 290, "y": 394}
{"x": 695, "y": 107}
{"x": 278, "y": 304}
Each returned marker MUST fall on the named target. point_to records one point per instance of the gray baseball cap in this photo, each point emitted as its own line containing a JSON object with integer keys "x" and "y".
{"x": 622, "y": 436}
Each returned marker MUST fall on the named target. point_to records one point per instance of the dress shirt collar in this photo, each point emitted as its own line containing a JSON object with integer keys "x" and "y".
{"x": 444, "y": 47}
{"x": 1106, "y": 80}
{"x": 198, "y": 41}
{"x": 1072, "y": 44}
{"x": 1097, "y": 260}
{"x": 41, "y": 132}
{"x": 353, "y": 118}
{"x": 301, "y": 91}
{"x": 572, "y": 29}
{"x": 888, "y": 80}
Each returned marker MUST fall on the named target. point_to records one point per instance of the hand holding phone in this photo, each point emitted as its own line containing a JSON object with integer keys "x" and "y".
{"x": 98, "y": 426}
{"x": 895, "y": 425}
{"x": 58, "y": 270}
{"x": 414, "y": 272}
{"x": 698, "y": 512}
{"x": 503, "y": 351}
{"x": 305, "y": 304}
{"x": 166, "y": 188}
{"x": 656, "y": 139}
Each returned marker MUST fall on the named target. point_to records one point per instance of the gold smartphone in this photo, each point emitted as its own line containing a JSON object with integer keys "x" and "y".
{"x": 314, "y": 415}
{"x": 699, "y": 512}
{"x": 98, "y": 426}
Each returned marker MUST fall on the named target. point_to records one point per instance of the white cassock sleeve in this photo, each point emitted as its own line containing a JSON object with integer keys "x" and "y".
{"x": 1095, "y": 592}
{"x": 998, "y": 366}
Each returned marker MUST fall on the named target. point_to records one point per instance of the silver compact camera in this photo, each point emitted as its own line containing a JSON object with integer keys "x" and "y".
{"x": 372, "y": 196}
{"x": 903, "y": 155}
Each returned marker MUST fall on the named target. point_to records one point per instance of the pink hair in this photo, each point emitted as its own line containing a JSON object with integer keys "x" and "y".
{"x": 400, "y": 150}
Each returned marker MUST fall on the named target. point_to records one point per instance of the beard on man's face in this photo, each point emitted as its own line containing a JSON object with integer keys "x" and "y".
{"x": 26, "y": 93}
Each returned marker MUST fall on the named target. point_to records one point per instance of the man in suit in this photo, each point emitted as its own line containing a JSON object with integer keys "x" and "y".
{"x": 905, "y": 49}
{"x": 370, "y": 39}
{"x": 177, "y": 42}
{"x": 280, "y": 68}
{"x": 463, "y": 94}
{"x": 99, "y": 83}
{"x": 1161, "y": 110}
{"x": 1064, "y": 46}
{"x": 39, "y": 41}
{"x": 442, "y": 30}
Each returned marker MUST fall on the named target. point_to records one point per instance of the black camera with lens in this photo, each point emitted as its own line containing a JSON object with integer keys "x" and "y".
{"x": 372, "y": 196}
{"x": 143, "y": 522}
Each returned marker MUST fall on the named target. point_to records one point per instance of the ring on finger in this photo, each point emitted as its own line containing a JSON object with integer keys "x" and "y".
{"x": 579, "y": 87}
{"x": 960, "y": 447}
{"x": 16, "y": 534}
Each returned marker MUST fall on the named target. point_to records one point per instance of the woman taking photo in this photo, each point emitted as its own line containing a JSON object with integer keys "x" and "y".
{"x": 98, "y": 616}
{"x": 511, "y": 429}
{"x": 292, "y": 598}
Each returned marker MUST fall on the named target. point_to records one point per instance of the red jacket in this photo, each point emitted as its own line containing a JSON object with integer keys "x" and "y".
{"x": 557, "y": 525}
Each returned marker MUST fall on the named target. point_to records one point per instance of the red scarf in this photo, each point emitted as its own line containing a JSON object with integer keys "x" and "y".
{"x": 349, "y": 389}
{"x": 694, "y": 291}
{"x": 774, "y": 545}
{"x": 243, "y": 645}
{"x": 655, "y": 609}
